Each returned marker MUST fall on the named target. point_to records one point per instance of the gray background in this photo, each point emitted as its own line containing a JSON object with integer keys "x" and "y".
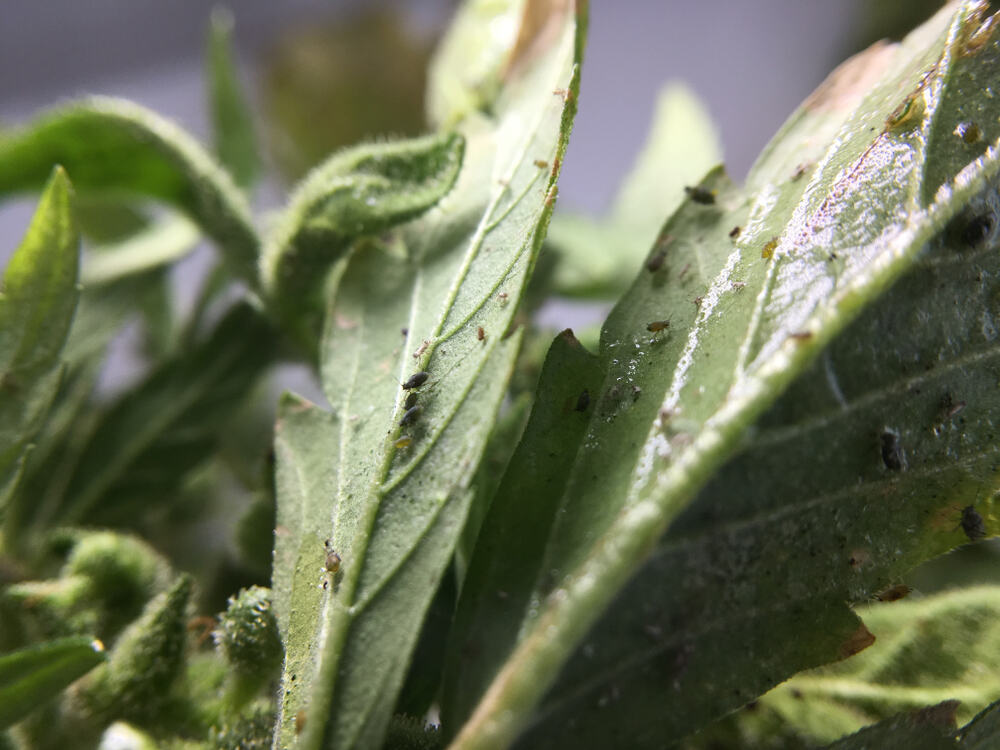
{"x": 750, "y": 62}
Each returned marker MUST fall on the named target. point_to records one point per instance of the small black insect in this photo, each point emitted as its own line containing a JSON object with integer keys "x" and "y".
{"x": 416, "y": 380}
{"x": 892, "y": 452}
{"x": 411, "y": 415}
{"x": 977, "y": 230}
{"x": 411, "y": 401}
{"x": 655, "y": 261}
{"x": 972, "y": 523}
{"x": 583, "y": 401}
{"x": 701, "y": 195}
{"x": 734, "y": 232}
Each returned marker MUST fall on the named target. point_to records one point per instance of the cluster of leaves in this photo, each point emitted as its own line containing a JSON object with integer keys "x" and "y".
{"x": 790, "y": 407}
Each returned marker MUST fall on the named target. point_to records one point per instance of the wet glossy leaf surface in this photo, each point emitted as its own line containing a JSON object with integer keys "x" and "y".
{"x": 384, "y": 483}
{"x": 814, "y": 250}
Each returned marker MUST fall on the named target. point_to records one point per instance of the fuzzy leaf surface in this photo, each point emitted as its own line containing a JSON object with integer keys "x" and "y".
{"x": 392, "y": 498}
{"x": 116, "y": 148}
{"x": 37, "y": 303}
{"x": 811, "y": 254}
{"x": 360, "y": 192}
{"x": 34, "y": 675}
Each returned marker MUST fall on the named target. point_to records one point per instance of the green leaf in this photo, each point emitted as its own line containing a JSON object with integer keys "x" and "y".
{"x": 144, "y": 444}
{"x": 116, "y": 148}
{"x": 599, "y": 258}
{"x": 983, "y": 732}
{"x": 157, "y": 245}
{"x": 232, "y": 120}
{"x": 135, "y": 683}
{"x": 362, "y": 191}
{"x": 34, "y": 675}
{"x": 931, "y": 728}
{"x": 929, "y": 650}
{"x": 928, "y": 728}
{"x": 37, "y": 303}
{"x": 810, "y": 256}
{"x": 392, "y": 498}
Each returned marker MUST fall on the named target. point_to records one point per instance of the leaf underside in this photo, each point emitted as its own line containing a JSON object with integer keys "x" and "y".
{"x": 855, "y": 474}
{"x": 391, "y": 499}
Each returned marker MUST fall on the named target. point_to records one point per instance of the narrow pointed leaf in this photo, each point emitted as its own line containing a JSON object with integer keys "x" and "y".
{"x": 35, "y": 675}
{"x": 113, "y": 147}
{"x": 388, "y": 487}
{"x": 37, "y": 303}
{"x": 927, "y": 651}
{"x": 600, "y": 257}
{"x": 810, "y": 255}
{"x": 141, "y": 448}
{"x": 232, "y": 119}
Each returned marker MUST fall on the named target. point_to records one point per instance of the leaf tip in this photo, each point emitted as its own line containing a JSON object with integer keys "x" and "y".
{"x": 857, "y": 642}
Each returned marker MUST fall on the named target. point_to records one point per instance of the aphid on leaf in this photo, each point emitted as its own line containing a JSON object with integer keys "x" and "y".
{"x": 300, "y": 721}
{"x": 893, "y": 455}
{"x": 972, "y": 523}
{"x": 767, "y": 252}
{"x": 480, "y": 334}
{"x": 421, "y": 349}
{"x": 411, "y": 400}
{"x": 416, "y": 380}
{"x": 332, "y": 558}
{"x": 968, "y": 132}
{"x": 403, "y": 442}
{"x": 412, "y": 415}
{"x": 541, "y": 164}
{"x": 700, "y": 194}
{"x": 735, "y": 232}
{"x": 893, "y": 593}
{"x": 655, "y": 261}
{"x": 583, "y": 401}
{"x": 657, "y": 325}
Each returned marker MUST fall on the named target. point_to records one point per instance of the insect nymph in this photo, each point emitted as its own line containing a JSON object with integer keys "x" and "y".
{"x": 332, "y": 558}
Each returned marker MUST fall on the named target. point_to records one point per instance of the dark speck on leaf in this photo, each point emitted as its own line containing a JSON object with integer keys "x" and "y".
{"x": 583, "y": 401}
{"x": 977, "y": 230}
{"x": 892, "y": 452}
{"x": 411, "y": 401}
{"x": 416, "y": 380}
{"x": 972, "y": 523}
{"x": 412, "y": 414}
{"x": 701, "y": 195}
{"x": 655, "y": 261}
{"x": 734, "y": 232}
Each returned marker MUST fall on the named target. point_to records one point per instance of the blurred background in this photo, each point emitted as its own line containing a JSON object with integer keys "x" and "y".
{"x": 326, "y": 73}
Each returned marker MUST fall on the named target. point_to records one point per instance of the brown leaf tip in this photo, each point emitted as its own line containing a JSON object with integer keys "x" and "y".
{"x": 858, "y": 641}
